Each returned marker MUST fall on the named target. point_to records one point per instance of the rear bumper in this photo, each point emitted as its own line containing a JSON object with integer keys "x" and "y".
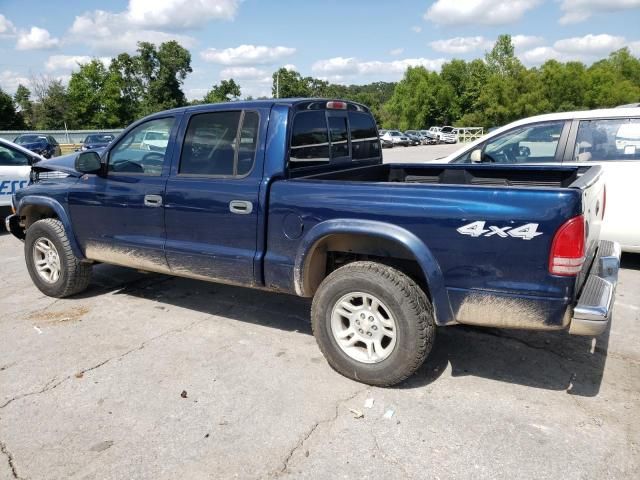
{"x": 593, "y": 312}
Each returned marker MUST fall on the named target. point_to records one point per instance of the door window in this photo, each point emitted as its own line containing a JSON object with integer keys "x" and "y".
{"x": 143, "y": 150}
{"x": 608, "y": 140}
{"x": 215, "y": 145}
{"x": 12, "y": 158}
{"x": 536, "y": 143}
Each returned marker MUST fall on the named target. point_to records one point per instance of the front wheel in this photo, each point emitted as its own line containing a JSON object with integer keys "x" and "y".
{"x": 372, "y": 323}
{"x": 53, "y": 267}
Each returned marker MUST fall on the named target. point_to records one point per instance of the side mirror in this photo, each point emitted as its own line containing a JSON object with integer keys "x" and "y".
{"x": 88, "y": 162}
{"x": 476, "y": 156}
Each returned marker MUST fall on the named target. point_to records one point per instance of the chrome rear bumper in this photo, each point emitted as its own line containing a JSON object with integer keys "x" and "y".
{"x": 592, "y": 313}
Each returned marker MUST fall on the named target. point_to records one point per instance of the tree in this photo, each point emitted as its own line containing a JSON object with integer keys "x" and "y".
{"x": 10, "y": 119}
{"x": 162, "y": 72}
{"x": 289, "y": 83}
{"x": 86, "y": 96}
{"x": 227, "y": 91}
{"x": 22, "y": 98}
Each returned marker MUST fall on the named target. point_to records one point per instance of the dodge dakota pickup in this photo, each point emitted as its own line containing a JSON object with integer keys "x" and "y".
{"x": 292, "y": 196}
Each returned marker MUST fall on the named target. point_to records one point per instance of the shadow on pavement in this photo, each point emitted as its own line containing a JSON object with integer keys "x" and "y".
{"x": 547, "y": 360}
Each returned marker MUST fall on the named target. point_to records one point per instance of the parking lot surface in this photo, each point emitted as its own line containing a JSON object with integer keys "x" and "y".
{"x": 152, "y": 377}
{"x": 423, "y": 153}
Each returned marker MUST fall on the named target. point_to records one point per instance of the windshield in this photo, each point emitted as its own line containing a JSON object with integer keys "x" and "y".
{"x": 24, "y": 139}
{"x": 447, "y": 129}
{"x": 98, "y": 138}
{"x": 395, "y": 134}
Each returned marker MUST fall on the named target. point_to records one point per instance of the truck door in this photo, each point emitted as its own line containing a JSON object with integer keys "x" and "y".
{"x": 212, "y": 197}
{"x": 118, "y": 217}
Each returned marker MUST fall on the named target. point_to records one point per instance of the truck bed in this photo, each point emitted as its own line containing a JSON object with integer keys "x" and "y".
{"x": 479, "y": 175}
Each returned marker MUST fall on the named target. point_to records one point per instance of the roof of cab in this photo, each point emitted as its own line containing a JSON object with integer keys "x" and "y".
{"x": 266, "y": 103}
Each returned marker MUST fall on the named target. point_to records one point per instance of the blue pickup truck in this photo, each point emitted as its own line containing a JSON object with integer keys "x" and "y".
{"x": 292, "y": 196}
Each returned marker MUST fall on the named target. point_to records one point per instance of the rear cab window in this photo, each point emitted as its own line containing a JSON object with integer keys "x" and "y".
{"x": 321, "y": 137}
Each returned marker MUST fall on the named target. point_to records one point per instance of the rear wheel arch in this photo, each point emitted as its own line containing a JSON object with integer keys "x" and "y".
{"x": 375, "y": 241}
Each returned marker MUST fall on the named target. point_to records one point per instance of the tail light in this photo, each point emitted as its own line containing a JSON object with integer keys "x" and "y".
{"x": 604, "y": 201}
{"x": 568, "y": 248}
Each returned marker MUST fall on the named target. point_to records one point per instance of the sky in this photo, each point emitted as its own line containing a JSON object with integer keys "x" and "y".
{"x": 343, "y": 41}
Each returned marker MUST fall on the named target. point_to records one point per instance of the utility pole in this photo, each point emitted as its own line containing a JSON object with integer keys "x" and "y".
{"x": 278, "y": 84}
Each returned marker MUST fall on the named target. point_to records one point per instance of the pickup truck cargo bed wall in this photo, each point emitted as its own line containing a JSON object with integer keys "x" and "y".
{"x": 434, "y": 213}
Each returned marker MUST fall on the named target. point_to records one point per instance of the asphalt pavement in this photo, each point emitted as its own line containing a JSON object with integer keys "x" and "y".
{"x": 146, "y": 376}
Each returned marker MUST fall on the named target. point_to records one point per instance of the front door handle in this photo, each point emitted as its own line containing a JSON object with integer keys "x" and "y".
{"x": 241, "y": 207}
{"x": 153, "y": 200}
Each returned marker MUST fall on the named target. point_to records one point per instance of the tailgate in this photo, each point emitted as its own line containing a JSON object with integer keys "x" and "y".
{"x": 591, "y": 183}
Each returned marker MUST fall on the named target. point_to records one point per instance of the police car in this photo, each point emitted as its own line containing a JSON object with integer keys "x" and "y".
{"x": 15, "y": 166}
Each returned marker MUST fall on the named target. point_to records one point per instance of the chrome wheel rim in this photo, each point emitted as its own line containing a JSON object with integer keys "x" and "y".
{"x": 46, "y": 260}
{"x": 363, "y": 327}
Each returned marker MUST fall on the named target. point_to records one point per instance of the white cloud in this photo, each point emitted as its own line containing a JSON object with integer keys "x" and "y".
{"x": 68, "y": 63}
{"x": 291, "y": 67}
{"x": 36, "y": 39}
{"x": 246, "y": 73}
{"x": 6, "y": 27}
{"x": 579, "y": 10}
{"x": 247, "y": 55}
{"x": 10, "y": 80}
{"x": 179, "y": 14}
{"x": 396, "y": 51}
{"x": 591, "y": 44}
{"x": 461, "y": 44}
{"x": 484, "y": 12}
{"x": 586, "y": 49}
{"x": 416, "y": 29}
{"x": 338, "y": 67}
{"x": 111, "y": 33}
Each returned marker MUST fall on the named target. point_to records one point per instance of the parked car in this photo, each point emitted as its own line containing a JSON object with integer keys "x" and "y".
{"x": 97, "y": 140}
{"x": 44, "y": 145}
{"x": 422, "y": 139}
{"x": 272, "y": 195}
{"x": 434, "y": 133}
{"x": 155, "y": 141}
{"x": 397, "y": 137}
{"x": 609, "y": 138}
{"x": 414, "y": 139}
{"x": 448, "y": 135}
{"x": 15, "y": 166}
{"x": 429, "y": 138}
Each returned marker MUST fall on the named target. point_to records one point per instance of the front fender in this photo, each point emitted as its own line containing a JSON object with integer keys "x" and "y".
{"x": 61, "y": 213}
{"x": 430, "y": 268}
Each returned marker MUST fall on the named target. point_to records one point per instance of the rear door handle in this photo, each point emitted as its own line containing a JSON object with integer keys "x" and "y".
{"x": 153, "y": 200}
{"x": 241, "y": 207}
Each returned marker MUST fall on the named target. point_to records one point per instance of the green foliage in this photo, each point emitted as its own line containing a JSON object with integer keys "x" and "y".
{"x": 483, "y": 92}
{"x": 227, "y": 91}
{"x": 9, "y": 118}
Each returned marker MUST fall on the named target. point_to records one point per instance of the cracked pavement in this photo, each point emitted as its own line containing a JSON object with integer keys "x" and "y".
{"x": 91, "y": 387}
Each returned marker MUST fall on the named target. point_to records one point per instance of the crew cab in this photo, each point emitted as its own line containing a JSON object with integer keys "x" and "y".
{"x": 292, "y": 196}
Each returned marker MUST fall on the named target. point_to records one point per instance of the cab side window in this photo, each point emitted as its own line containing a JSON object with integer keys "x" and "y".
{"x": 12, "y": 158}
{"x": 608, "y": 140}
{"x": 217, "y": 145}
{"x": 143, "y": 149}
{"x": 536, "y": 143}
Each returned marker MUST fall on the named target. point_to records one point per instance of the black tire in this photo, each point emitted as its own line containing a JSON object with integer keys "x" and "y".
{"x": 75, "y": 275}
{"x": 406, "y": 301}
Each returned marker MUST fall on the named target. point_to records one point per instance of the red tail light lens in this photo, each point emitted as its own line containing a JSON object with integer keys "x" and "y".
{"x": 604, "y": 201}
{"x": 568, "y": 247}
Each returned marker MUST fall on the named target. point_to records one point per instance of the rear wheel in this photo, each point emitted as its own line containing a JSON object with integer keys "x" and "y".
{"x": 53, "y": 267}
{"x": 372, "y": 323}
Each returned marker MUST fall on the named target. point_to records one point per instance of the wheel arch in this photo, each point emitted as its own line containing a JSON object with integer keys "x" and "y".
{"x": 368, "y": 237}
{"x": 35, "y": 207}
